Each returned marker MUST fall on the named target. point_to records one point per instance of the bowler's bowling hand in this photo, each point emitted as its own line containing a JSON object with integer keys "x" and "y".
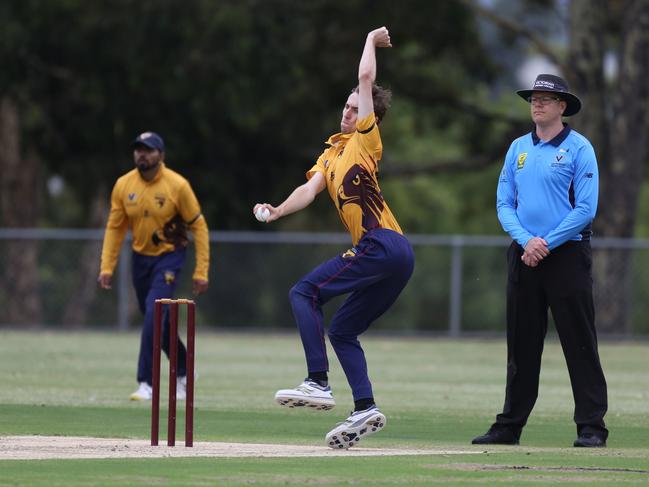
{"x": 273, "y": 213}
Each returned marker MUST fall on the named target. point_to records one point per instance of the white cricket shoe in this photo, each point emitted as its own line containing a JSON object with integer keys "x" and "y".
{"x": 308, "y": 394}
{"x": 359, "y": 424}
{"x": 143, "y": 393}
{"x": 181, "y": 388}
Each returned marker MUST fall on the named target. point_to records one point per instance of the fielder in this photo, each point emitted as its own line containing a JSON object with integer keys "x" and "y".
{"x": 157, "y": 205}
{"x": 373, "y": 272}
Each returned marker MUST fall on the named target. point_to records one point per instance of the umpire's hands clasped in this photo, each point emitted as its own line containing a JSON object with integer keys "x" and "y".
{"x": 535, "y": 251}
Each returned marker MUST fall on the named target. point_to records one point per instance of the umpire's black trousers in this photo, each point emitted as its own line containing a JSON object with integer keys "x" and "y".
{"x": 563, "y": 282}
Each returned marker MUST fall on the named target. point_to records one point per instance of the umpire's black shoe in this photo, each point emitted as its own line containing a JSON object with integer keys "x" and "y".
{"x": 590, "y": 440}
{"x": 497, "y": 436}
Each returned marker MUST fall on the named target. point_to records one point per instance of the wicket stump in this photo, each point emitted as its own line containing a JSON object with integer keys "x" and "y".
{"x": 173, "y": 358}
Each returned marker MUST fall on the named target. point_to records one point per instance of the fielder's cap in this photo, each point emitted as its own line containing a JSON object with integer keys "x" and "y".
{"x": 555, "y": 84}
{"x": 151, "y": 140}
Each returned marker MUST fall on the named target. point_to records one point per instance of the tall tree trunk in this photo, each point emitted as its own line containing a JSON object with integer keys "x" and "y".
{"x": 620, "y": 141}
{"x": 586, "y": 75}
{"x": 629, "y": 125}
{"x": 19, "y": 208}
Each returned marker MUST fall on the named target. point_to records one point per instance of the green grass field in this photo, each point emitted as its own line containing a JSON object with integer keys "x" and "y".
{"x": 436, "y": 393}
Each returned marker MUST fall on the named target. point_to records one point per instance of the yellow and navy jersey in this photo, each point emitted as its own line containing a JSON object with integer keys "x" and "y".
{"x": 349, "y": 166}
{"x": 145, "y": 207}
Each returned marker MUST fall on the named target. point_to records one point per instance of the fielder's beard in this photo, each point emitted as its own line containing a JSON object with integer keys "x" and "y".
{"x": 142, "y": 166}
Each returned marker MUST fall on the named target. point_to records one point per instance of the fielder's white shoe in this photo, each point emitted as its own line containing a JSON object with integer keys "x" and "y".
{"x": 359, "y": 424}
{"x": 143, "y": 393}
{"x": 308, "y": 394}
{"x": 181, "y": 388}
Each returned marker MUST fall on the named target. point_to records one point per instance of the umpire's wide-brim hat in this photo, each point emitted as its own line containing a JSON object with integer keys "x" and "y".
{"x": 554, "y": 84}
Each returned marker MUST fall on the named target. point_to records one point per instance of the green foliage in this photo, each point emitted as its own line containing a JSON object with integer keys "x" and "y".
{"x": 244, "y": 93}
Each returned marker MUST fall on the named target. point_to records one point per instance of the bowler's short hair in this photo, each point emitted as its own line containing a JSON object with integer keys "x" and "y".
{"x": 381, "y": 97}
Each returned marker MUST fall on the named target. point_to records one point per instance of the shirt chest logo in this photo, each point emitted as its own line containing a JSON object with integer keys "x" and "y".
{"x": 521, "y": 160}
{"x": 160, "y": 199}
{"x": 561, "y": 158}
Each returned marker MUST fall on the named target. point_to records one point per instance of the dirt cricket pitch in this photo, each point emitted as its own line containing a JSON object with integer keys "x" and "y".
{"x": 68, "y": 447}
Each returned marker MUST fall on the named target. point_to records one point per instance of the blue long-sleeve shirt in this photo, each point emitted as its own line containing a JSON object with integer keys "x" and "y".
{"x": 549, "y": 189}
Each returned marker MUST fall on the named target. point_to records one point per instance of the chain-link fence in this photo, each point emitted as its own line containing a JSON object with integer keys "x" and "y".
{"x": 458, "y": 287}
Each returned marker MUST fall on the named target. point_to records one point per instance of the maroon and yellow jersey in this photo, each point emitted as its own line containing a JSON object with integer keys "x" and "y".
{"x": 349, "y": 166}
{"x": 153, "y": 211}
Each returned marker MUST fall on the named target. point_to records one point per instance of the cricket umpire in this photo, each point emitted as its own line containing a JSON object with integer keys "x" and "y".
{"x": 546, "y": 201}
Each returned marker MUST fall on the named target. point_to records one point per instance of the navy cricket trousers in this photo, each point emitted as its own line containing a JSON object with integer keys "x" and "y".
{"x": 155, "y": 277}
{"x": 374, "y": 273}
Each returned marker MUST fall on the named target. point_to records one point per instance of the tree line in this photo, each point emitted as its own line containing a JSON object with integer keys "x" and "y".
{"x": 246, "y": 92}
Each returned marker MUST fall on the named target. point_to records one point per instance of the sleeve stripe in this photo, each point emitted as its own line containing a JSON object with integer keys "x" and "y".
{"x": 368, "y": 130}
{"x": 195, "y": 219}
